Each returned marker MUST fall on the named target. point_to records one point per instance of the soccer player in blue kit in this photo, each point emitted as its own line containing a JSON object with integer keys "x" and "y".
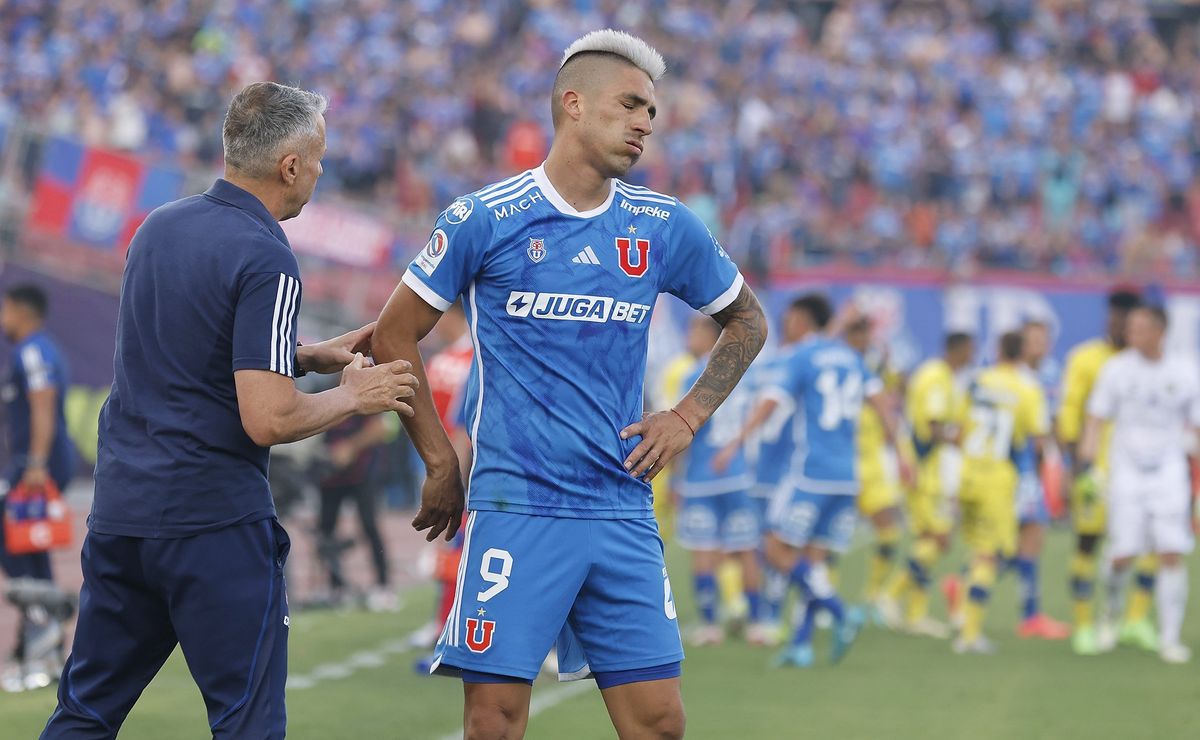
{"x": 716, "y": 515}
{"x": 816, "y": 512}
{"x": 560, "y": 268}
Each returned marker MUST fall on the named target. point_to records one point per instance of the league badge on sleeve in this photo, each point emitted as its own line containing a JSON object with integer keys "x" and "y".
{"x": 537, "y": 249}
{"x": 435, "y": 249}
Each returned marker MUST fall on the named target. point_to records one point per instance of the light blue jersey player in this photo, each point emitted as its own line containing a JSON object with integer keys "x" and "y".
{"x": 768, "y": 440}
{"x": 716, "y": 515}
{"x": 1033, "y": 514}
{"x": 560, "y": 268}
{"x": 816, "y": 511}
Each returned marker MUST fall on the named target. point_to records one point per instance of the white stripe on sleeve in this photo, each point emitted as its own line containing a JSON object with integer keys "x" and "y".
{"x": 275, "y": 323}
{"x": 37, "y": 372}
{"x": 287, "y": 324}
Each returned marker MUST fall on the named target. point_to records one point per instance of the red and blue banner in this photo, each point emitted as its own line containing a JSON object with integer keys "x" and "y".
{"x": 97, "y": 197}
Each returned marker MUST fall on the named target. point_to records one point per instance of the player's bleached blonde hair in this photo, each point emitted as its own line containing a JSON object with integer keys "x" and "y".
{"x": 631, "y": 48}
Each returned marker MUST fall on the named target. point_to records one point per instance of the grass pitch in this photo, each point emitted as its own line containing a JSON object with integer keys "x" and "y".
{"x": 356, "y": 682}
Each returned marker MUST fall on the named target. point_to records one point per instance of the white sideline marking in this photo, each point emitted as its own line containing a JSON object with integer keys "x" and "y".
{"x": 543, "y": 700}
{"x": 370, "y": 658}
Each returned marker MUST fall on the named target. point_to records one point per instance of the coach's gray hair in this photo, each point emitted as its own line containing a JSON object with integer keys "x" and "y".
{"x": 631, "y": 48}
{"x": 263, "y": 117}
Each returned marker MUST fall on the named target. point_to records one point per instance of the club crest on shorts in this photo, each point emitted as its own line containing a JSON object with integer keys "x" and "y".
{"x": 479, "y": 634}
{"x": 537, "y": 249}
{"x": 633, "y": 256}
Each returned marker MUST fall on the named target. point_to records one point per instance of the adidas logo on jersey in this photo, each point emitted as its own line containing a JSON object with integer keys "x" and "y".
{"x": 570, "y": 307}
{"x": 654, "y": 211}
{"x": 586, "y": 257}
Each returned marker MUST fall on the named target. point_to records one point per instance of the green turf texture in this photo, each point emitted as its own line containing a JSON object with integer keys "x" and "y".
{"x": 890, "y": 686}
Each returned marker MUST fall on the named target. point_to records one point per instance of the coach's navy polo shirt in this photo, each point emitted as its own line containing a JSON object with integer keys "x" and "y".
{"x": 211, "y": 286}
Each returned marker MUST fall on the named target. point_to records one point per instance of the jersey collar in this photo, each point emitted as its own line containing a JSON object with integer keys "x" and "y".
{"x": 560, "y": 203}
{"x": 231, "y": 194}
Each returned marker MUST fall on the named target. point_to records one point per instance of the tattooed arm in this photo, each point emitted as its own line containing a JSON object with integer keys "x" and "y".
{"x": 667, "y": 433}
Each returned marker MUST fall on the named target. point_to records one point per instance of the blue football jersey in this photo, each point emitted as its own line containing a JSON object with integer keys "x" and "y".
{"x": 559, "y": 304}
{"x": 37, "y": 365}
{"x": 829, "y": 382}
{"x": 698, "y": 476}
{"x": 772, "y": 445}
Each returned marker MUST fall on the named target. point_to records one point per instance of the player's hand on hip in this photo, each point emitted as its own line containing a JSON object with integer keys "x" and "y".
{"x": 334, "y": 354}
{"x": 381, "y": 387}
{"x": 442, "y": 504}
{"x": 664, "y": 435}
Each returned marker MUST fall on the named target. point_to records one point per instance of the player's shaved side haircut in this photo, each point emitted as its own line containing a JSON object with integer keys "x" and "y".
{"x": 1012, "y": 344}
{"x": 816, "y": 306}
{"x": 574, "y": 70}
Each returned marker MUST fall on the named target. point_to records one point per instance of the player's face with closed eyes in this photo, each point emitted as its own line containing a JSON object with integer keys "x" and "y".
{"x": 620, "y": 119}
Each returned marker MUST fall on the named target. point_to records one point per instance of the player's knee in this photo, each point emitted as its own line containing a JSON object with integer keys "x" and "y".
{"x": 666, "y": 723}
{"x": 492, "y": 721}
{"x": 1170, "y": 560}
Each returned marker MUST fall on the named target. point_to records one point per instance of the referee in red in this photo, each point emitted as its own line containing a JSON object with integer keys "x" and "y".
{"x": 183, "y": 544}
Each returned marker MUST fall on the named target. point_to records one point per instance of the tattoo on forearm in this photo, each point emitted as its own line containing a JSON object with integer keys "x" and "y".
{"x": 745, "y": 330}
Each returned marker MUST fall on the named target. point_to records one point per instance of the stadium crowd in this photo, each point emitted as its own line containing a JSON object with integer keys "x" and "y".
{"x": 1056, "y": 136}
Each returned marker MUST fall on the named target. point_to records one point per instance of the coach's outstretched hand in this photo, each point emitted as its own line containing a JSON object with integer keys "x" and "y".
{"x": 379, "y": 388}
{"x": 442, "y": 504}
{"x": 664, "y": 435}
{"x": 334, "y": 354}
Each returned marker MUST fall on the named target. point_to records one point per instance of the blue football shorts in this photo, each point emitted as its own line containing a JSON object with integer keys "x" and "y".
{"x": 722, "y": 521}
{"x": 1031, "y": 500}
{"x": 799, "y": 518}
{"x": 594, "y": 589}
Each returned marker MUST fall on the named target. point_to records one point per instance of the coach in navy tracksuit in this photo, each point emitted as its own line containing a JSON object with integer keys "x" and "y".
{"x": 183, "y": 544}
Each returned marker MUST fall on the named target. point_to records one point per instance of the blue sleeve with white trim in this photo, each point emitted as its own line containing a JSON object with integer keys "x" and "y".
{"x": 35, "y": 367}
{"x": 453, "y": 255}
{"x": 698, "y": 270}
{"x": 793, "y": 375}
{"x": 265, "y": 318}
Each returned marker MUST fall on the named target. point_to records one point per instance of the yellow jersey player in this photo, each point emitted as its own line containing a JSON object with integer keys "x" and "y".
{"x": 1006, "y": 411}
{"x": 1088, "y": 514}
{"x": 934, "y": 406}
{"x": 879, "y": 470}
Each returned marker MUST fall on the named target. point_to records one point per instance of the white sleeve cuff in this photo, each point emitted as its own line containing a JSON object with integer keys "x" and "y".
{"x": 427, "y": 293}
{"x": 722, "y": 301}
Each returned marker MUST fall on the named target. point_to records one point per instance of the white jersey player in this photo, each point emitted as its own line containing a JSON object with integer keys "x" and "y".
{"x": 1153, "y": 405}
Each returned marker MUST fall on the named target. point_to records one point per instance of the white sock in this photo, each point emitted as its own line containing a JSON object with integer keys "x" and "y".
{"x": 1171, "y": 593}
{"x": 1115, "y": 582}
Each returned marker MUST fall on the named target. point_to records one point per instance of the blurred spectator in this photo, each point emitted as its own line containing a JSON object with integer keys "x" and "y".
{"x": 1048, "y": 135}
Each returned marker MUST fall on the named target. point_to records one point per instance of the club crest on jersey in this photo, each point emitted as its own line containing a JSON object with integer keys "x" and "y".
{"x": 537, "y": 249}
{"x": 633, "y": 256}
{"x": 479, "y": 634}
